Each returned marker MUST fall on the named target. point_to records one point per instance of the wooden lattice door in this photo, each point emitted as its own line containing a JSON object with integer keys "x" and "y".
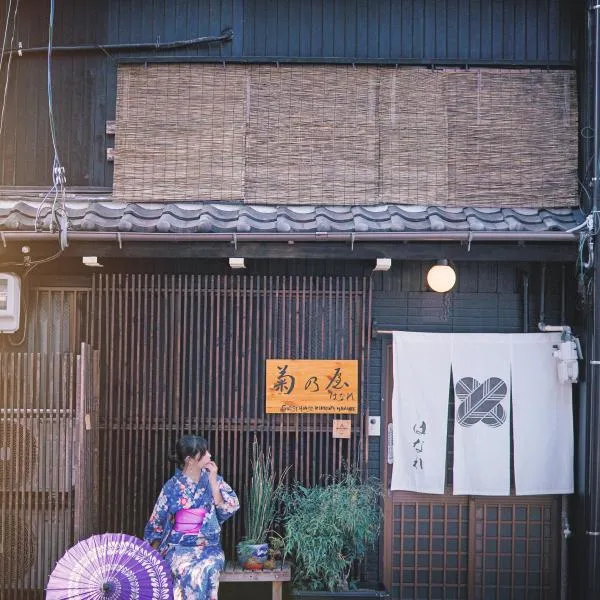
{"x": 450, "y": 547}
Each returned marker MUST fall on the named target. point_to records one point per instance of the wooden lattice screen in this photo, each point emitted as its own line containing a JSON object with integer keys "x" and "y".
{"x": 345, "y": 135}
{"x": 46, "y": 465}
{"x": 186, "y": 353}
{"x": 85, "y": 471}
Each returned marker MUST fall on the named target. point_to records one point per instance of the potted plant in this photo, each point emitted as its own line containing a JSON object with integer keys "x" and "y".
{"x": 328, "y": 528}
{"x": 260, "y": 510}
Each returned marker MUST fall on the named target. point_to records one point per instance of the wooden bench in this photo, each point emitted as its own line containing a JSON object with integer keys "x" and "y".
{"x": 234, "y": 573}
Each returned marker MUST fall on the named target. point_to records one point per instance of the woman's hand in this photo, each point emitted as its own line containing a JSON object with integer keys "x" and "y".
{"x": 212, "y": 469}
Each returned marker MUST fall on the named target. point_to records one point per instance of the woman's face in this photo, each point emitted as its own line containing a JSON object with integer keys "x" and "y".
{"x": 204, "y": 459}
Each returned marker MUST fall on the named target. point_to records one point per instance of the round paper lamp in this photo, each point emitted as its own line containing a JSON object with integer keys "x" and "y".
{"x": 441, "y": 277}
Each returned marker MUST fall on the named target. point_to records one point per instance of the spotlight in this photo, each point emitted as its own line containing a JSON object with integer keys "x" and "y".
{"x": 383, "y": 264}
{"x": 236, "y": 262}
{"x": 90, "y": 261}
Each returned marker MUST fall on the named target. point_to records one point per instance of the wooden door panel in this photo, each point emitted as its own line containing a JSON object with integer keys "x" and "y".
{"x": 450, "y": 547}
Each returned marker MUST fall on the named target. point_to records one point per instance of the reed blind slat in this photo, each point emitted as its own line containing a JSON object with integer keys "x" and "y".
{"x": 345, "y": 135}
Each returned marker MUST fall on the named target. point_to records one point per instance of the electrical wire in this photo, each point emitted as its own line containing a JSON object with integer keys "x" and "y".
{"x": 589, "y": 229}
{"x": 32, "y": 264}
{"x": 584, "y": 189}
{"x": 57, "y": 192}
{"x": 225, "y": 36}
{"x": 49, "y": 80}
{"x": 28, "y": 269}
{"x": 4, "y": 50}
{"x": 7, "y": 77}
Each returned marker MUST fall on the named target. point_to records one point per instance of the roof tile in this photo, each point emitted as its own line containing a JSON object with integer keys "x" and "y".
{"x": 86, "y": 214}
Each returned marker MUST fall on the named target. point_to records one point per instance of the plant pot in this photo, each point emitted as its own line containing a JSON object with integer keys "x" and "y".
{"x": 252, "y": 556}
{"x": 364, "y": 592}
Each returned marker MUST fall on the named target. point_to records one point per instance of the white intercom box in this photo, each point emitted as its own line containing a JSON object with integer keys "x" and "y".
{"x": 10, "y": 302}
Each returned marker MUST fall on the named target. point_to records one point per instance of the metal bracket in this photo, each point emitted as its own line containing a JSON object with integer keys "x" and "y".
{"x": 120, "y": 240}
{"x": 593, "y": 533}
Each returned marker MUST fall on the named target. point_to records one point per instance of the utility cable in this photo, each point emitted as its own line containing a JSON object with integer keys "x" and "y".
{"x": 7, "y": 77}
{"x": 57, "y": 192}
{"x": 29, "y": 268}
{"x": 4, "y": 49}
{"x": 225, "y": 36}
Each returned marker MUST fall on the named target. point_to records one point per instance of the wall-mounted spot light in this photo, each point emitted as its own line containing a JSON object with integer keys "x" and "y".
{"x": 441, "y": 277}
{"x": 236, "y": 262}
{"x": 383, "y": 264}
{"x": 90, "y": 261}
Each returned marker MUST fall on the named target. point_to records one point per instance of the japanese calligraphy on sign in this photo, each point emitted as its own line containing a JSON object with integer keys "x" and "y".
{"x": 311, "y": 386}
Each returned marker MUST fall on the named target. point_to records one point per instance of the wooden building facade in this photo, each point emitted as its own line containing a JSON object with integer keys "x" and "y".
{"x": 112, "y": 366}
{"x": 168, "y": 341}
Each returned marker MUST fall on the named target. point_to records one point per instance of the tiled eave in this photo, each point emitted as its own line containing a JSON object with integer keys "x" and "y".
{"x": 98, "y": 225}
{"x": 195, "y": 219}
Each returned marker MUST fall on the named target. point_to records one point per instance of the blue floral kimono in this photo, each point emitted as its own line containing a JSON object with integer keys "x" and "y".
{"x": 196, "y": 559}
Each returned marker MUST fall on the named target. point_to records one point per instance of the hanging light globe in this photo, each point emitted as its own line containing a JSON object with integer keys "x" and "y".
{"x": 441, "y": 277}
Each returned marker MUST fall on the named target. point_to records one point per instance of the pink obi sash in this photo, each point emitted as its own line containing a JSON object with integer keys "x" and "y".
{"x": 189, "y": 520}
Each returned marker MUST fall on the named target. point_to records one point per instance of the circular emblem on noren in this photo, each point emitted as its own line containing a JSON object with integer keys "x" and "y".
{"x": 480, "y": 401}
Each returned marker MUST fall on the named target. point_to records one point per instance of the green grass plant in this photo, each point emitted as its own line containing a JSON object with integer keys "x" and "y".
{"x": 262, "y": 496}
{"x": 330, "y": 527}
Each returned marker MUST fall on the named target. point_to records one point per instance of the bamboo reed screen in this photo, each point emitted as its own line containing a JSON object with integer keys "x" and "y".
{"x": 185, "y": 353}
{"x": 312, "y": 135}
{"x": 512, "y": 137}
{"x": 344, "y": 135}
{"x": 413, "y": 137}
{"x": 181, "y": 132}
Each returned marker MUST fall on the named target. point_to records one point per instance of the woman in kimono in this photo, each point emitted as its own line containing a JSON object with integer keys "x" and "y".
{"x": 185, "y": 524}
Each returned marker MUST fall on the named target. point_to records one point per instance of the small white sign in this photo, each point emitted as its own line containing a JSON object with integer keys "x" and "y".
{"x": 342, "y": 428}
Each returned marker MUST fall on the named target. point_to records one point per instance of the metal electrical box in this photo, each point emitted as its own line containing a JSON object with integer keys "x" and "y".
{"x": 10, "y": 302}
{"x": 374, "y": 425}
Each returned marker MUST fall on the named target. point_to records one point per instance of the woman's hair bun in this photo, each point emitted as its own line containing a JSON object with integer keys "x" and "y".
{"x": 188, "y": 445}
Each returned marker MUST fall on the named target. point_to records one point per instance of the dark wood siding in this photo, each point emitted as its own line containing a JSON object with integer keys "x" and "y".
{"x": 467, "y": 32}
{"x": 412, "y": 30}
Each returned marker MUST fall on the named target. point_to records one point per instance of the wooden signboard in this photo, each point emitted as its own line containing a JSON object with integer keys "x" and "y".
{"x": 312, "y": 386}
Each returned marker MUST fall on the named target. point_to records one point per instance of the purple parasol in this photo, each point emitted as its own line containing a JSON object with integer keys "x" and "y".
{"x": 111, "y": 566}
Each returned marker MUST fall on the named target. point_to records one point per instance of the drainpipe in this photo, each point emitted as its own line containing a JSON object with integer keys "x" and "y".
{"x": 592, "y": 512}
{"x": 465, "y": 237}
{"x": 563, "y": 294}
{"x": 543, "y": 294}
{"x": 525, "y": 302}
{"x": 564, "y": 559}
{"x": 564, "y": 500}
